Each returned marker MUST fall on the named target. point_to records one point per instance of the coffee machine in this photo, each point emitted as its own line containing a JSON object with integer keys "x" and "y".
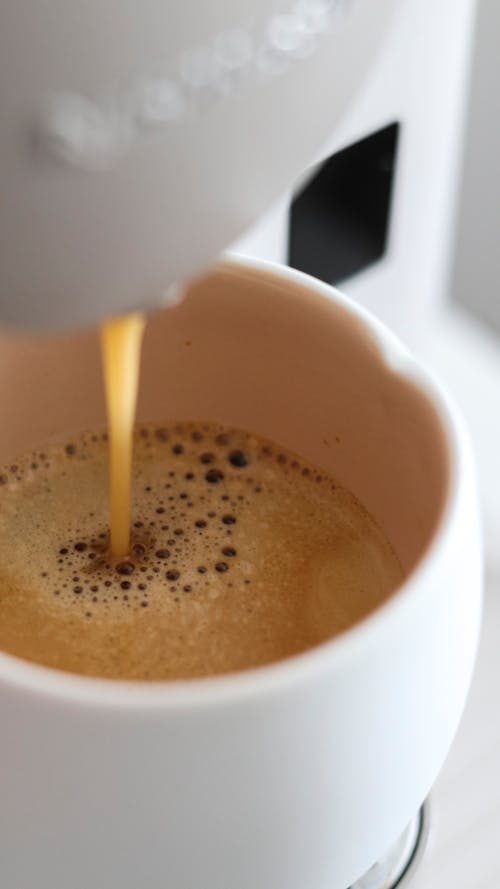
{"x": 134, "y": 148}
{"x": 376, "y": 214}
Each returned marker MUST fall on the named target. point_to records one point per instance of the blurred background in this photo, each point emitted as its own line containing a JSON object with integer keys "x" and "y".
{"x": 402, "y": 212}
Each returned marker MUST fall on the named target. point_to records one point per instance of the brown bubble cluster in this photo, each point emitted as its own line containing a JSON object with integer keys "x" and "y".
{"x": 220, "y": 521}
{"x": 82, "y": 564}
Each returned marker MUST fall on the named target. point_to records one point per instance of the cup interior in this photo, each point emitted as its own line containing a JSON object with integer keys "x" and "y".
{"x": 265, "y": 350}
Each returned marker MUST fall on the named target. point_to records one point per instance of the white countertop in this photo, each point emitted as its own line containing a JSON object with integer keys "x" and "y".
{"x": 463, "y": 850}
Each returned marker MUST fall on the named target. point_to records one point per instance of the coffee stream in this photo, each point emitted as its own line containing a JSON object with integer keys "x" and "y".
{"x": 121, "y": 340}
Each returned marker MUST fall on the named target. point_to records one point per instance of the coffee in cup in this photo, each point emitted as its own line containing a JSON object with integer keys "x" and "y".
{"x": 242, "y": 553}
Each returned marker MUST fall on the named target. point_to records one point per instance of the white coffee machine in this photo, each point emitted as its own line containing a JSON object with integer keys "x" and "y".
{"x": 135, "y": 145}
{"x": 375, "y": 216}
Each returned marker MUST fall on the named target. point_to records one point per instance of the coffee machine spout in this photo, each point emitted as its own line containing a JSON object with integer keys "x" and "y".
{"x": 134, "y": 148}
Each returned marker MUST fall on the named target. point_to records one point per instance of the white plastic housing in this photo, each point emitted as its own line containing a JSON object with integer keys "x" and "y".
{"x": 138, "y": 140}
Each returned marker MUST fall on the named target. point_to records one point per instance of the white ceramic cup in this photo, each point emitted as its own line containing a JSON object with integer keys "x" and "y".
{"x": 292, "y": 776}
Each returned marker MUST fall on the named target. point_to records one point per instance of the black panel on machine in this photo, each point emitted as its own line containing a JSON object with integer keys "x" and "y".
{"x": 339, "y": 221}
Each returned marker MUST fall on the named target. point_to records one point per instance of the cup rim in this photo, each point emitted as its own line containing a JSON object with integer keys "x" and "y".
{"x": 299, "y": 668}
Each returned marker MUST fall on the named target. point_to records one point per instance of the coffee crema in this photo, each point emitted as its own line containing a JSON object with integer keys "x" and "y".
{"x": 242, "y": 554}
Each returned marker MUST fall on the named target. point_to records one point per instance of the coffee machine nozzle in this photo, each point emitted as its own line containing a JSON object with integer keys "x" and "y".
{"x": 135, "y": 147}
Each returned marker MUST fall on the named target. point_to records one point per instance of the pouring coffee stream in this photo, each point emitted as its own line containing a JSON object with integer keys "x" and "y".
{"x": 121, "y": 340}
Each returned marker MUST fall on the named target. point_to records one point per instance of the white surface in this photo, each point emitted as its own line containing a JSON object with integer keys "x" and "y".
{"x": 468, "y": 360}
{"x": 420, "y": 79}
{"x": 162, "y": 193}
{"x": 463, "y": 850}
{"x": 476, "y": 264}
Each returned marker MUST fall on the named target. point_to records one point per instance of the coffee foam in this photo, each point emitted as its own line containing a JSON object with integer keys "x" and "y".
{"x": 242, "y": 554}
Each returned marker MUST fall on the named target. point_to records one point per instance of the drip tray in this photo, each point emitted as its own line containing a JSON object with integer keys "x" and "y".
{"x": 397, "y": 867}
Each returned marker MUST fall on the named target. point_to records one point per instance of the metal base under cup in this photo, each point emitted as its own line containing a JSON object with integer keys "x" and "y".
{"x": 397, "y": 867}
